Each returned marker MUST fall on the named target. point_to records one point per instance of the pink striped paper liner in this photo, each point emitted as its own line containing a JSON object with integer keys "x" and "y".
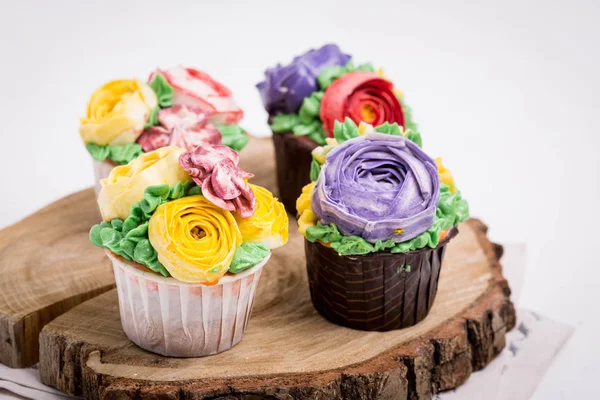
{"x": 179, "y": 319}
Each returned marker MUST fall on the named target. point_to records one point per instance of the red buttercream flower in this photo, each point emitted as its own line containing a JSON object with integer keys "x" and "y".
{"x": 215, "y": 169}
{"x": 362, "y": 96}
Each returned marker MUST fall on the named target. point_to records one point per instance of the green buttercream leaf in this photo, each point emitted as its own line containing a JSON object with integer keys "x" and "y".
{"x": 330, "y": 74}
{"x": 95, "y": 233}
{"x": 128, "y": 247}
{"x": 344, "y": 131}
{"x": 195, "y": 191}
{"x": 164, "y": 91}
{"x": 452, "y": 209}
{"x": 233, "y": 136}
{"x": 152, "y": 118}
{"x": 119, "y": 154}
{"x": 408, "y": 118}
{"x": 315, "y": 169}
{"x": 318, "y": 136}
{"x": 415, "y": 137}
{"x": 324, "y": 233}
{"x": 367, "y": 67}
{"x": 282, "y": 123}
{"x": 139, "y": 231}
{"x": 311, "y": 107}
{"x": 383, "y": 245}
{"x": 98, "y": 153}
{"x": 117, "y": 224}
{"x": 247, "y": 256}
{"x": 306, "y": 129}
{"x": 161, "y": 191}
{"x": 352, "y": 245}
{"x": 390, "y": 129}
{"x": 129, "y": 238}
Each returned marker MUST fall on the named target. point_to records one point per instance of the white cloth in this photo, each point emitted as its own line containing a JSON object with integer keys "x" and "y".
{"x": 530, "y": 349}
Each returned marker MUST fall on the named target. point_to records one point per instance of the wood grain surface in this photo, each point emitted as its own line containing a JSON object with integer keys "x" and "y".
{"x": 48, "y": 266}
{"x": 289, "y": 351}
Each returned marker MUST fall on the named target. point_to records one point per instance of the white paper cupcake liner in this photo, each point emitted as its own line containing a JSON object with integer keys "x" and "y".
{"x": 179, "y": 319}
{"x": 101, "y": 171}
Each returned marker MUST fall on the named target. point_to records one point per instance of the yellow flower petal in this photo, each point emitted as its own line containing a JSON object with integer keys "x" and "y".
{"x": 445, "y": 175}
{"x": 125, "y": 184}
{"x": 304, "y": 202}
{"x": 306, "y": 220}
{"x": 269, "y": 223}
{"x": 117, "y": 112}
{"x": 304, "y": 207}
{"x": 364, "y": 128}
{"x": 195, "y": 240}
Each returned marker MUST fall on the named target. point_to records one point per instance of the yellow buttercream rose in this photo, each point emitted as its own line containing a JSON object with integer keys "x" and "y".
{"x": 125, "y": 184}
{"x": 195, "y": 240}
{"x": 445, "y": 175}
{"x": 304, "y": 208}
{"x": 117, "y": 112}
{"x": 269, "y": 223}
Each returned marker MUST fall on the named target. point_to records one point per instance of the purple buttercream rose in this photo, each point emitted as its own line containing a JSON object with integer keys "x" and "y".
{"x": 285, "y": 87}
{"x": 379, "y": 187}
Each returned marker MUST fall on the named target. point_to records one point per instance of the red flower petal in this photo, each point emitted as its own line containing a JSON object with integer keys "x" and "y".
{"x": 357, "y": 94}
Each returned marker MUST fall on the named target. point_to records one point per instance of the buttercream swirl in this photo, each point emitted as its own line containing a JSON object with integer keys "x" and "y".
{"x": 117, "y": 112}
{"x": 182, "y": 126}
{"x": 362, "y": 96}
{"x": 268, "y": 225}
{"x": 285, "y": 87}
{"x": 215, "y": 169}
{"x": 126, "y": 184}
{"x": 194, "y": 88}
{"x": 378, "y": 187}
{"x": 195, "y": 240}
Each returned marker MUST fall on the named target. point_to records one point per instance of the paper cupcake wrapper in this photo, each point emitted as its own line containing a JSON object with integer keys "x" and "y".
{"x": 180, "y": 319}
{"x": 374, "y": 292}
{"x": 101, "y": 171}
{"x": 292, "y": 160}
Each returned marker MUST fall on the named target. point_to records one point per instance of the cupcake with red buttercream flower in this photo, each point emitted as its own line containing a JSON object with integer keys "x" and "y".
{"x": 179, "y": 106}
{"x": 306, "y": 97}
{"x": 377, "y": 218}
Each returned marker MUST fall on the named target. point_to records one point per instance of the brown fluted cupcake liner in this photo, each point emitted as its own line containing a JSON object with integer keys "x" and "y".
{"x": 292, "y": 160}
{"x": 374, "y": 292}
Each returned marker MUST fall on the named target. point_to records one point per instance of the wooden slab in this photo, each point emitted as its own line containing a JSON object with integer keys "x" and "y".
{"x": 48, "y": 264}
{"x": 289, "y": 351}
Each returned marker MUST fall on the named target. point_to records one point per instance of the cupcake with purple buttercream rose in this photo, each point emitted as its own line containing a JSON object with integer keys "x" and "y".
{"x": 377, "y": 218}
{"x": 306, "y": 97}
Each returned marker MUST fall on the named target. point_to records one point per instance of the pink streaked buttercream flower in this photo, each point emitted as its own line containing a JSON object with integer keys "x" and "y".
{"x": 182, "y": 126}
{"x": 215, "y": 169}
{"x": 197, "y": 89}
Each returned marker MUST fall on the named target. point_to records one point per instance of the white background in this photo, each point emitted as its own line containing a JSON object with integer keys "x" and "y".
{"x": 506, "y": 91}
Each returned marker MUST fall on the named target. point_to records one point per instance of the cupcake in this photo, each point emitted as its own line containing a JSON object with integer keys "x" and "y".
{"x": 307, "y": 96}
{"x": 180, "y": 107}
{"x": 376, "y": 218}
{"x": 188, "y": 237}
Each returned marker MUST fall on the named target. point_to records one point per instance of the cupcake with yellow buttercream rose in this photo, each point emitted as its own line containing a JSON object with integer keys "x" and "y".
{"x": 179, "y": 106}
{"x": 188, "y": 237}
